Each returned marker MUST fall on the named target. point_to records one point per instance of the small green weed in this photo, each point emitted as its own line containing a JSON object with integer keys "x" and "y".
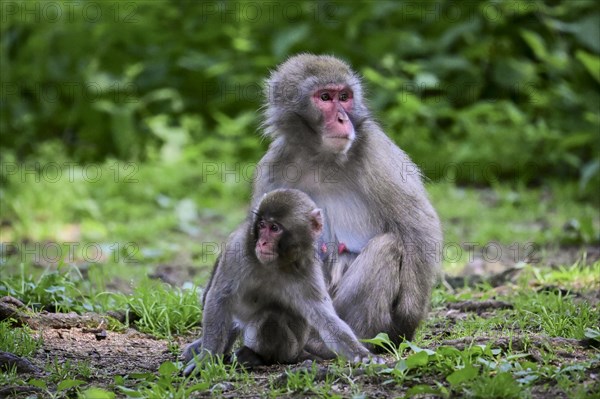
{"x": 67, "y": 370}
{"x": 555, "y": 314}
{"x": 53, "y": 290}
{"x": 167, "y": 384}
{"x": 475, "y": 372}
{"x": 303, "y": 381}
{"x": 497, "y": 386}
{"x": 163, "y": 310}
{"x": 18, "y": 340}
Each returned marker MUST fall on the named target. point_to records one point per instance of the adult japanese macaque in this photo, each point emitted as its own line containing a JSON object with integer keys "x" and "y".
{"x": 385, "y": 235}
{"x": 268, "y": 285}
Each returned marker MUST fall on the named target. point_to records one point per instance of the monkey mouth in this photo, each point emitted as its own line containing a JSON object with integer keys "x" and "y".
{"x": 338, "y": 137}
{"x": 338, "y": 143}
{"x": 267, "y": 255}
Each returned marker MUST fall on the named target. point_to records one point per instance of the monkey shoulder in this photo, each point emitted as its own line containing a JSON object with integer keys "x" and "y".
{"x": 403, "y": 179}
{"x": 233, "y": 260}
{"x": 391, "y": 161}
{"x": 268, "y": 171}
{"x": 236, "y": 246}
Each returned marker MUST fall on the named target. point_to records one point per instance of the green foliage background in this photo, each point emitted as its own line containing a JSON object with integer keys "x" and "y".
{"x": 474, "y": 91}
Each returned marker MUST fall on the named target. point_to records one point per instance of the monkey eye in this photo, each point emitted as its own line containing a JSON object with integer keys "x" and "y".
{"x": 325, "y": 96}
{"x": 274, "y": 228}
{"x": 262, "y": 224}
{"x": 344, "y": 96}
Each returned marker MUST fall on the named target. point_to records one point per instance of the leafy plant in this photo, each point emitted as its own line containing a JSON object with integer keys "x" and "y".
{"x": 53, "y": 290}
{"x": 487, "y": 100}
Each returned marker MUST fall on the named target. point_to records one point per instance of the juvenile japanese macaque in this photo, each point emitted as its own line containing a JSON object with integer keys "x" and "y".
{"x": 268, "y": 285}
{"x": 384, "y": 236}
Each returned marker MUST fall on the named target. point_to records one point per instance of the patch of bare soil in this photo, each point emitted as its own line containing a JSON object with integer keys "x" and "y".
{"x": 84, "y": 339}
{"x": 117, "y": 354}
{"x": 501, "y": 264}
{"x": 81, "y": 339}
{"x": 114, "y": 354}
{"x": 69, "y": 338}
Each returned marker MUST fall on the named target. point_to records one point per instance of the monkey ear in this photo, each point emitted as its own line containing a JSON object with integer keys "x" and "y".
{"x": 316, "y": 222}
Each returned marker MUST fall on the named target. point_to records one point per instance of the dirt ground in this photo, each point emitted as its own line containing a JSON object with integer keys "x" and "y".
{"x": 132, "y": 352}
{"x": 81, "y": 338}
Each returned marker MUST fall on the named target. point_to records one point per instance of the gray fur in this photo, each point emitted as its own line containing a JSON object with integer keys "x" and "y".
{"x": 273, "y": 305}
{"x": 372, "y": 197}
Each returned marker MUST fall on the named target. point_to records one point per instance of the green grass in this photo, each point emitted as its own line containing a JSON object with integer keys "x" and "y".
{"x": 573, "y": 276}
{"x": 303, "y": 382}
{"x": 20, "y": 341}
{"x": 515, "y": 215}
{"x": 480, "y": 372}
{"x": 129, "y": 216}
{"x": 158, "y": 309}
{"x": 133, "y": 216}
{"x": 555, "y": 314}
{"x": 62, "y": 371}
{"x": 168, "y": 382}
{"x": 164, "y": 311}
{"x": 54, "y": 290}
{"x": 173, "y": 216}
{"x": 425, "y": 366}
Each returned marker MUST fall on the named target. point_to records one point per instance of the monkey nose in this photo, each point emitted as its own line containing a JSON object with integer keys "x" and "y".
{"x": 342, "y": 117}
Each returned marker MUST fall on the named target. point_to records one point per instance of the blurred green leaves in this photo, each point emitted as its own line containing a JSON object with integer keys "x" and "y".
{"x": 494, "y": 84}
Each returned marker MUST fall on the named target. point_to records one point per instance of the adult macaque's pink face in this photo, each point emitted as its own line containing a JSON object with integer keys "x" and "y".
{"x": 269, "y": 234}
{"x": 335, "y": 102}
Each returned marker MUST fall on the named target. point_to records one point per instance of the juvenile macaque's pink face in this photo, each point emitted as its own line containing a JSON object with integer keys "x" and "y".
{"x": 335, "y": 102}
{"x": 269, "y": 234}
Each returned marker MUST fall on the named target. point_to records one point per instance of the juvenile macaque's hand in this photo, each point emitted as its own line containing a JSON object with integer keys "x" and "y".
{"x": 368, "y": 359}
{"x": 194, "y": 354}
